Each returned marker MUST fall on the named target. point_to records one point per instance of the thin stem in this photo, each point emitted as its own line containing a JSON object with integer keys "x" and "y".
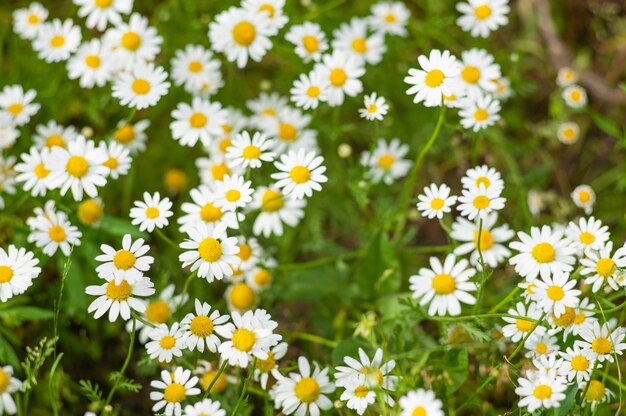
{"x": 506, "y": 300}
{"x": 165, "y": 238}
{"x": 186, "y": 286}
{"x": 217, "y": 376}
{"x": 124, "y": 366}
{"x": 244, "y": 388}
{"x": 312, "y": 338}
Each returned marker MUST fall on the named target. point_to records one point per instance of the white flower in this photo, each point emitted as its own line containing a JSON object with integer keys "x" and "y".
{"x": 249, "y": 151}
{"x": 195, "y": 68}
{"x": 481, "y": 17}
{"x": 478, "y": 72}
{"x": 308, "y": 91}
{"x": 9, "y": 386}
{"x": 435, "y": 201}
{"x": 554, "y": 294}
{"x": 129, "y": 263}
{"x": 32, "y": 171}
{"x": 596, "y": 393}
{"x": 206, "y": 407}
{"x": 120, "y": 298}
{"x": 479, "y": 111}
{"x": 600, "y": 266}
{"x": 309, "y": 40}
{"x": 17, "y": 271}
{"x": 438, "y": 77}
{"x": 27, "y": 22}
{"x": 57, "y": 40}
{"x": 118, "y": 159}
{"x": 166, "y": 343}
{"x": 588, "y": 234}
{"x": 540, "y": 390}
{"x": 142, "y": 86}
{"x": 199, "y": 328}
{"x": 389, "y": 17}
{"x": 176, "y": 386}
{"x": 602, "y": 341}
{"x": 8, "y": 131}
{"x": 444, "y": 286}
{"x": 101, "y": 12}
{"x": 53, "y": 134}
{"x": 357, "y": 395}
{"x": 289, "y": 128}
{"x": 300, "y": 174}
{"x": 518, "y": 328}
{"x": 133, "y": 43}
{"x": 566, "y": 77}
{"x": 584, "y": 197}
{"x": 264, "y": 368}
{"x": 541, "y": 346}
{"x": 202, "y": 120}
{"x": 152, "y": 212}
{"x": 342, "y": 72}
{"x": 232, "y": 193}
{"x": 271, "y": 9}
{"x": 204, "y": 210}
{"x": 568, "y": 132}
{"x": 132, "y": 136}
{"x": 375, "y": 107}
{"x": 375, "y": 374}
{"x": 351, "y": 39}
{"x": 52, "y": 230}
{"x": 575, "y": 96}
{"x": 274, "y": 210}
{"x": 386, "y": 162}
{"x": 491, "y": 242}
{"x": 90, "y": 65}
{"x": 17, "y": 104}
{"x": 577, "y": 364}
{"x": 480, "y": 201}
{"x": 421, "y": 401}
{"x": 482, "y": 175}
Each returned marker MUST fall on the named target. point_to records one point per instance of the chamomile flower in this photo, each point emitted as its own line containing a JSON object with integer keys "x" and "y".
{"x": 342, "y": 72}
{"x": 199, "y": 328}
{"x": 438, "y": 77}
{"x": 9, "y": 386}
{"x": 375, "y": 373}
{"x": 206, "y": 407}
{"x": 90, "y": 65}
{"x": 202, "y": 120}
{"x": 300, "y": 174}
{"x": 142, "y": 86}
{"x": 309, "y": 90}
{"x": 554, "y": 294}
{"x": 544, "y": 252}
{"x": 52, "y": 230}
{"x": 478, "y": 71}
{"x": 153, "y": 212}
{"x": 249, "y": 151}
{"x": 596, "y": 393}
{"x": 18, "y": 104}
{"x": 421, "y": 402}
{"x": 260, "y": 278}
{"x": 600, "y": 266}
{"x": 444, "y": 286}
{"x": 577, "y": 364}
{"x": 265, "y": 107}
{"x": 481, "y": 17}
{"x": 389, "y": 17}
{"x": 518, "y": 328}
{"x": 274, "y": 211}
{"x": 128, "y": 263}
{"x": 17, "y": 271}
{"x": 479, "y": 112}
{"x": 241, "y": 35}
{"x": 602, "y": 340}
{"x": 482, "y": 175}
{"x": 133, "y": 43}
{"x": 478, "y": 202}
{"x": 100, "y": 13}
{"x": 8, "y": 131}
{"x": 27, "y": 22}
{"x": 53, "y": 134}
{"x": 376, "y": 107}
{"x": 232, "y": 193}
{"x": 304, "y": 391}
{"x": 435, "y": 201}
{"x": 196, "y": 69}
{"x": 57, "y": 40}
{"x": 132, "y": 136}
{"x": 584, "y": 197}
{"x": 289, "y": 130}
{"x": 541, "y": 346}
{"x": 165, "y": 343}
{"x": 568, "y": 132}
{"x": 386, "y": 163}
{"x": 271, "y": 9}
{"x": 540, "y": 390}
{"x": 309, "y": 40}
{"x": 240, "y": 296}
{"x": 264, "y": 368}
{"x": 583, "y": 317}
{"x": 351, "y": 39}
{"x": 118, "y": 159}
{"x": 357, "y": 394}
{"x": 119, "y": 299}
{"x": 575, "y": 96}
{"x": 32, "y": 171}
{"x": 566, "y": 77}
{"x": 204, "y": 210}
{"x": 176, "y": 386}
{"x": 503, "y": 89}
{"x": 491, "y": 244}
{"x": 210, "y": 251}
{"x": 248, "y": 335}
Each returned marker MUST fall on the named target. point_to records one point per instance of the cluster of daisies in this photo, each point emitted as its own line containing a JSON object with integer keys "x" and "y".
{"x": 575, "y": 97}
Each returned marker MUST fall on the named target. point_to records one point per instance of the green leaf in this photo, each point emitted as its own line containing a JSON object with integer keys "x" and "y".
{"x": 607, "y": 126}
{"x": 19, "y": 314}
{"x": 376, "y": 270}
{"x": 568, "y": 402}
{"x": 456, "y": 363}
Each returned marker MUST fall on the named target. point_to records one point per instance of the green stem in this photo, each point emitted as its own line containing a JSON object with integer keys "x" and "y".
{"x": 506, "y": 300}
{"x": 165, "y": 238}
{"x": 186, "y": 287}
{"x": 312, "y": 338}
{"x": 217, "y": 376}
{"x": 244, "y": 388}
{"x": 123, "y": 369}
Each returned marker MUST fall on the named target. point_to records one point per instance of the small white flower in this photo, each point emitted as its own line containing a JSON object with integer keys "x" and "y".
{"x": 300, "y": 174}
{"x": 584, "y": 197}
{"x": 165, "y": 343}
{"x": 435, "y": 201}
{"x": 479, "y": 111}
{"x": 17, "y": 271}
{"x": 152, "y": 212}
{"x": 90, "y": 65}
{"x": 309, "y": 40}
{"x": 99, "y": 13}
{"x": 421, "y": 401}
{"x": 176, "y": 386}
{"x": 518, "y": 328}
{"x": 120, "y": 298}
{"x": 554, "y": 294}
{"x": 57, "y": 40}
{"x": 375, "y": 107}
{"x": 438, "y": 77}
{"x": 142, "y": 86}
{"x": 575, "y": 96}
{"x": 199, "y": 328}
{"x": 568, "y": 132}
{"x": 479, "y": 201}
{"x": 342, "y": 72}
{"x": 309, "y": 90}
{"x": 491, "y": 239}
{"x": 481, "y": 17}
{"x": 202, "y": 120}
{"x": 249, "y": 151}
{"x": 17, "y": 104}
{"x": 27, "y": 22}
{"x": 386, "y": 162}
{"x": 128, "y": 263}
{"x": 274, "y": 210}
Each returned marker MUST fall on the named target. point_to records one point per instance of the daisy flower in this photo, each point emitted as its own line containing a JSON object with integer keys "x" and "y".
{"x": 271, "y": 9}
{"x": 304, "y": 391}
{"x": 165, "y": 343}
{"x": 602, "y": 341}
{"x": 357, "y": 395}
{"x": 374, "y": 373}
{"x": 491, "y": 242}
{"x": 247, "y": 336}
{"x": 480, "y": 201}
{"x": 540, "y": 390}
{"x": 568, "y": 132}
{"x": 57, "y": 40}
{"x": 264, "y": 368}
{"x": 438, "y": 77}
{"x": 90, "y": 65}
{"x": 308, "y": 91}
{"x": 241, "y": 34}
{"x": 52, "y": 230}
{"x": 199, "y": 328}
{"x": 435, "y": 201}
{"x": 142, "y": 86}
{"x": 204, "y": 210}
{"x": 503, "y": 89}
{"x": 541, "y": 346}
{"x": 482, "y": 175}
{"x": 210, "y": 251}
{"x": 300, "y": 174}
{"x": 577, "y": 364}
{"x": 342, "y": 72}
{"x": 196, "y": 69}
{"x": 584, "y": 197}
{"x": 17, "y": 104}
{"x": 274, "y": 211}
{"x": 151, "y": 212}
{"x": 118, "y": 159}
{"x": 132, "y": 136}
{"x": 9, "y": 386}
{"x": 309, "y": 40}
{"x": 177, "y": 385}
{"x": 202, "y": 120}
{"x": 386, "y": 163}
{"x": 8, "y": 132}
{"x": 206, "y": 407}
{"x": 389, "y": 17}
{"x": 53, "y": 134}
{"x": 481, "y": 17}
{"x": 566, "y": 77}
{"x": 351, "y": 39}
{"x": 479, "y": 112}
{"x": 32, "y": 171}
{"x": 27, "y": 22}
{"x": 260, "y": 278}
{"x": 133, "y": 43}
{"x": 421, "y": 402}
{"x": 478, "y": 71}
{"x": 445, "y": 286}
{"x": 601, "y": 267}
{"x": 596, "y": 393}
{"x": 544, "y": 252}
{"x": 17, "y": 271}
{"x": 518, "y": 328}
{"x": 120, "y": 298}
{"x": 575, "y": 96}
{"x": 375, "y": 107}
{"x": 249, "y": 151}
{"x": 554, "y": 294}
{"x": 289, "y": 128}
{"x": 583, "y": 317}
{"x": 128, "y": 263}
{"x": 265, "y": 108}
{"x": 99, "y": 13}
{"x": 232, "y": 193}
{"x": 90, "y": 211}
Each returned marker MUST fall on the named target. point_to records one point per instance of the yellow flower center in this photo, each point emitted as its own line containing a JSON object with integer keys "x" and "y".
{"x": 580, "y": 318}
{"x": 437, "y": 203}
{"x": 386, "y": 161}
{"x": 125, "y": 134}
{"x": 372, "y": 108}
{"x": 210, "y": 213}
{"x": 124, "y": 260}
{"x": 272, "y": 201}
{"x": 390, "y": 18}
{"x": 481, "y": 202}
{"x": 103, "y": 4}
{"x": 584, "y": 196}
{"x": 242, "y": 296}
{"x": 6, "y": 274}
{"x": 77, "y": 166}
{"x": 219, "y": 170}
{"x": 595, "y": 391}
{"x": 33, "y": 19}
{"x": 245, "y": 252}
{"x": 483, "y": 180}
{"x": 15, "y": 108}
{"x": 419, "y": 411}
{"x": 482, "y": 12}
{"x": 602, "y": 345}
{"x": 233, "y": 195}
{"x": 210, "y": 250}
{"x": 244, "y": 33}
{"x": 198, "y": 120}
{"x": 541, "y": 348}
{"x": 300, "y": 174}
{"x": 544, "y": 253}
{"x": 92, "y": 61}
{"x": 201, "y": 326}
{"x": 338, "y": 77}
{"x": 605, "y": 267}
{"x": 542, "y": 392}
{"x": 158, "y": 312}
{"x": 244, "y": 339}
{"x": 361, "y": 391}
{"x": 55, "y": 140}
{"x": 481, "y": 114}
{"x": 566, "y": 319}
{"x": 359, "y": 45}
{"x": 140, "y": 86}
{"x": 174, "y": 393}
{"x": 131, "y": 41}
{"x": 119, "y": 292}
{"x": 575, "y": 95}
{"x": 580, "y": 363}
{"x": 251, "y": 152}
{"x": 57, "y": 41}
{"x": 523, "y": 325}
{"x": 195, "y": 66}
{"x": 41, "y": 171}
{"x": 569, "y": 133}
{"x": 89, "y": 211}
{"x": 470, "y": 74}
{"x": 267, "y": 8}
{"x": 307, "y": 390}
{"x": 373, "y": 375}
{"x": 313, "y": 91}
{"x": 175, "y": 179}
{"x": 57, "y": 233}
{"x": 268, "y": 364}
{"x": 486, "y": 239}
{"x": 443, "y": 284}
{"x": 263, "y": 278}
{"x": 587, "y": 238}
{"x": 555, "y": 293}
{"x": 152, "y": 212}
{"x": 111, "y": 163}
{"x": 287, "y": 132}
{"x": 219, "y": 385}
{"x": 434, "y": 78}
{"x": 310, "y": 43}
